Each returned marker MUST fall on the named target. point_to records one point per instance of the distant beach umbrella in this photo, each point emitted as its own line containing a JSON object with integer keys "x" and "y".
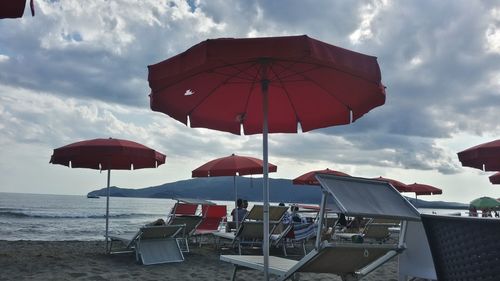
{"x": 107, "y": 154}
{"x": 309, "y": 178}
{"x": 485, "y": 203}
{"x": 401, "y": 187}
{"x": 423, "y": 189}
{"x": 14, "y": 8}
{"x": 232, "y": 165}
{"x": 495, "y": 179}
{"x": 485, "y": 156}
{"x": 266, "y": 85}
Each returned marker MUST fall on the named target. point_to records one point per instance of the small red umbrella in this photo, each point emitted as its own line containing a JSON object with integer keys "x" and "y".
{"x": 232, "y": 166}
{"x": 485, "y": 156}
{"x": 310, "y": 179}
{"x": 266, "y": 85}
{"x": 495, "y": 179}
{"x": 14, "y": 8}
{"x": 424, "y": 189}
{"x": 401, "y": 187}
{"x": 107, "y": 154}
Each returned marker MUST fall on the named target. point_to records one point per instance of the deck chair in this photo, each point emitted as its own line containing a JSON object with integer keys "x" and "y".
{"x": 213, "y": 215}
{"x": 190, "y": 223}
{"x": 464, "y": 248}
{"x": 184, "y": 209}
{"x": 349, "y": 261}
{"x": 295, "y": 234}
{"x": 250, "y": 233}
{"x": 276, "y": 213}
{"x": 153, "y": 244}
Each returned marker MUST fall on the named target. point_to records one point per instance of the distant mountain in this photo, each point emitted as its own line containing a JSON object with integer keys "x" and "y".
{"x": 221, "y": 188}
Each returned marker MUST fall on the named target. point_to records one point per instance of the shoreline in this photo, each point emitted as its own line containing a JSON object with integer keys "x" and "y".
{"x": 86, "y": 260}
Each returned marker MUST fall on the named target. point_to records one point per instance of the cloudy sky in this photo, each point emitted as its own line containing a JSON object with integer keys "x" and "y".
{"x": 78, "y": 70}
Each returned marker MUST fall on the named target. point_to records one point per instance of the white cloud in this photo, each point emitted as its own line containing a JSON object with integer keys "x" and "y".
{"x": 368, "y": 13}
{"x": 77, "y": 71}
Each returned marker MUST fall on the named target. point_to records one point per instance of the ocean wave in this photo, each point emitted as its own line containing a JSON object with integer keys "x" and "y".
{"x": 24, "y": 214}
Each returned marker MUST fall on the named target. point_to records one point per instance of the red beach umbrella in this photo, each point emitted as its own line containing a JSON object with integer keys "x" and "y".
{"x": 310, "y": 179}
{"x": 14, "y": 8}
{"x": 401, "y": 187}
{"x": 232, "y": 166}
{"x": 107, "y": 154}
{"x": 495, "y": 179}
{"x": 424, "y": 189}
{"x": 485, "y": 156}
{"x": 266, "y": 85}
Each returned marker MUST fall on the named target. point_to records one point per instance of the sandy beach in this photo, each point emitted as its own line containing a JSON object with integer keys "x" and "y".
{"x": 86, "y": 260}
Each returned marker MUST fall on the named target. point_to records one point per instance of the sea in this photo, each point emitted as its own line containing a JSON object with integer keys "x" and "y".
{"x": 75, "y": 217}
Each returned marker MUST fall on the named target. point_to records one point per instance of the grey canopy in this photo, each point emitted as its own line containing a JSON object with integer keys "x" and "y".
{"x": 364, "y": 197}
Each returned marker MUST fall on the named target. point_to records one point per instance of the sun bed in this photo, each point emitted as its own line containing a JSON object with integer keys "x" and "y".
{"x": 153, "y": 244}
{"x": 213, "y": 215}
{"x": 346, "y": 260}
{"x": 294, "y": 234}
{"x": 349, "y": 195}
{"x": 276, "y": 213}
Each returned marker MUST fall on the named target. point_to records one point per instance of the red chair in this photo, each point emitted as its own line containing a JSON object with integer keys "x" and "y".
{"x": 184, "y": 209}
{"x": 213, "y": 215}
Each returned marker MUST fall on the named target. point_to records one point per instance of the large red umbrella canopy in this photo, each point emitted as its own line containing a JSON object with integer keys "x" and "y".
{"x": 401, "y": 187}
{"x": 217, "y": 84}
{"x": 107, "y": 154}
{"x": 310, "y": 177}
{"x": 495, "y": 178}
{"x": 423, "y": 189}
{"x": 14, "y": 8}
{"x": 266, "y": 85}
{"x": 485, "y": 156}
{"x": 231, "y": 166}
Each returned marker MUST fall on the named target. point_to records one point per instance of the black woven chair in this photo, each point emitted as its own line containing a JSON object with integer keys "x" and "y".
{"x": 464, "y": 248}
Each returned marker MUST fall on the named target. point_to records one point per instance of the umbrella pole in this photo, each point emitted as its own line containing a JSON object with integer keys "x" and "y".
{"x": 236, "y": 202}
{"x": 108, "y": 250}
{"x": 265, "y": 131}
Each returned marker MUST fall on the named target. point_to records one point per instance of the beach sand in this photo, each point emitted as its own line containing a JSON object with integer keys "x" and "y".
{"x": 84, "y": 260}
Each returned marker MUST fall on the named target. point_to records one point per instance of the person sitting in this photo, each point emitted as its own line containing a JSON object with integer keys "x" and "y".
{"x": 287, "y": 217}
{"x": 296, "y": 218}
{"x": 245, "y": 206}
{"x": 355, "y": 224}
{"x": 472, "y": 211}
{"x": 157, "y": 222}
{"x": 342, "y": 222}
{"x": 239, "y": 213}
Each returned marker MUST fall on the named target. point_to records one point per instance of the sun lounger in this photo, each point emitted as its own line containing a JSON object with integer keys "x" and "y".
{"x": 213, "y": 215}
{"x": 295, "y": 234}
{"x": 153, "y": 244}
{"x": 347, "y": 195}
{"x": 346, "y": 260}
{"x": 275, "y": 213}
